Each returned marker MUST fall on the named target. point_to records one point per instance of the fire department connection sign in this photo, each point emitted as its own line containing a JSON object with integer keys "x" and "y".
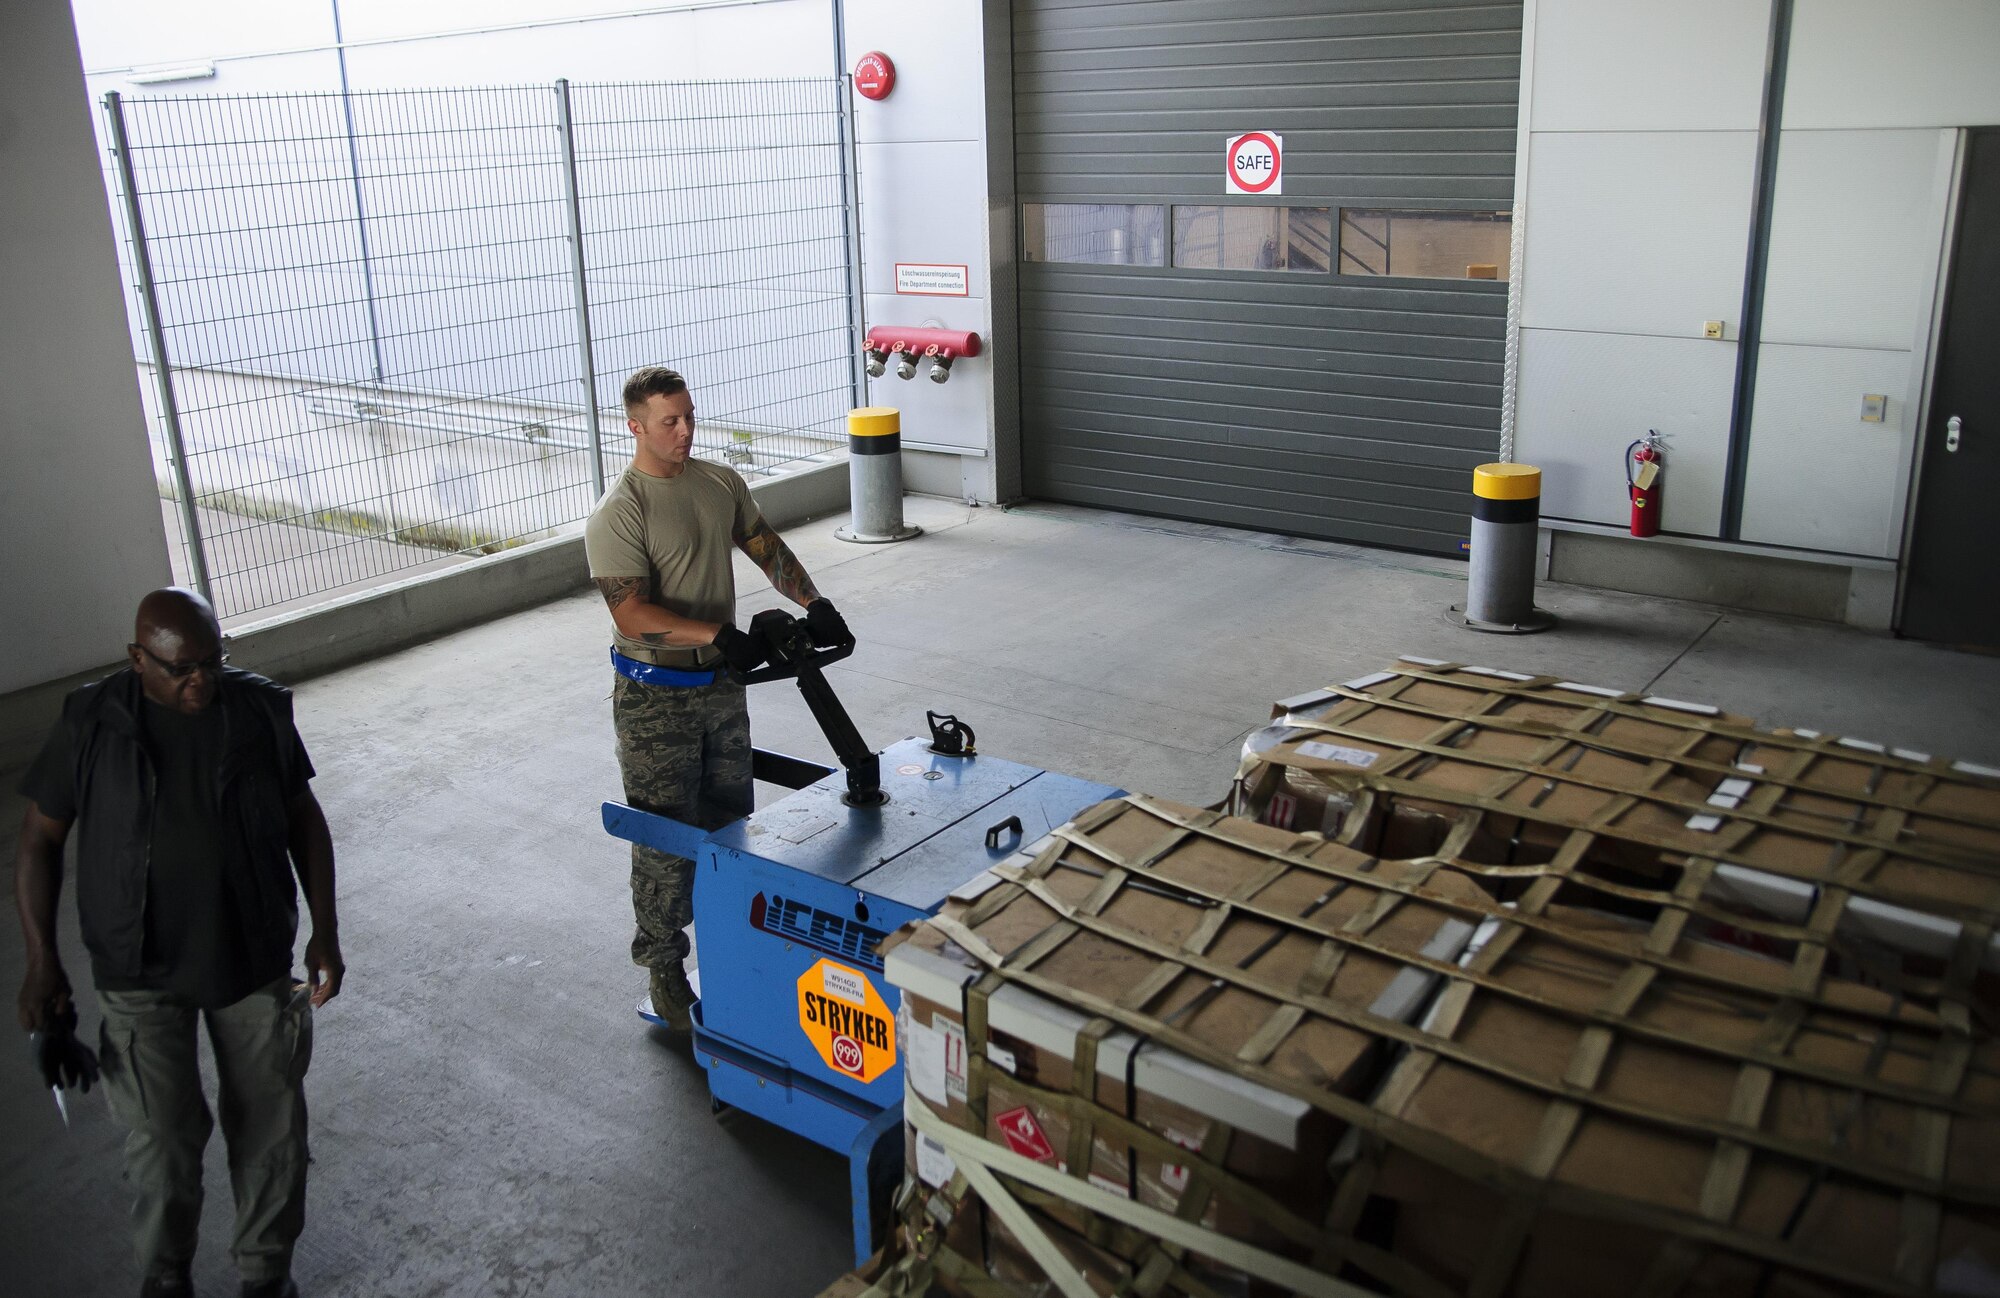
{"x": 847, "y": 1021}
{"x": 1254, "y": 164}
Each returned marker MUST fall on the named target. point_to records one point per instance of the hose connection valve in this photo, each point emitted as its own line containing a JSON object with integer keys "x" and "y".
{"x": 905, "y": 346}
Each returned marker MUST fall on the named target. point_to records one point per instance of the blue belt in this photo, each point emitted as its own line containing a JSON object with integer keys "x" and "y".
{"x": 651, "y": 674}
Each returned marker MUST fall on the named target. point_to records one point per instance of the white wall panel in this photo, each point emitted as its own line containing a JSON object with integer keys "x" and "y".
{"x": 754, "y": 42}
{"x": 1696, "y": 65}
{"x": 940, "y": 91}
{"x": 924, "y": 196}
{"x": 1855, "y": 232}
{"x": 738, "y": 43}
{"x": 159, "y": 33}
{"x": 1585, "y": 396}
{"x": 1870, "y": 64}
{"x": 1641, "y": 233}
{"x": 924, "y": 203}
{"x": 389, "y": 19}
{"x": 790, "y": 38}
{"x": 1819, "y": 478}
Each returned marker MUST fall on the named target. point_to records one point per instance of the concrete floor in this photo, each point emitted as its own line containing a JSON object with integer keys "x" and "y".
{"x": 489, "y": 1116}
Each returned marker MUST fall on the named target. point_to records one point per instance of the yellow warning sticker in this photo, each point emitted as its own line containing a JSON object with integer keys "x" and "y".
{"x": 847, "y": 1021}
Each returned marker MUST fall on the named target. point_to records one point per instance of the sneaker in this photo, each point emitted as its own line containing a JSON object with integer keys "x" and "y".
{"x": 673, "y": 999}
{"x": 282, "y": 1287}
{"x": 174, "y": 1284}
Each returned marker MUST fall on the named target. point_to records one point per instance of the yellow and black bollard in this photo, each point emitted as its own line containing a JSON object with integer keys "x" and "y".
{"x": 1500, "y": 586}
{"x": 875, "y": 477}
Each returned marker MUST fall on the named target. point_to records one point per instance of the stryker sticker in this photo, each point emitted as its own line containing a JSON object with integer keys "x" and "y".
{"x": 853, "y": 1028}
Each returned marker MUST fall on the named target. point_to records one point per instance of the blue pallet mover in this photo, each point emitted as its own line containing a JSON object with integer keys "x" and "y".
{"x": 795, "y": 1023}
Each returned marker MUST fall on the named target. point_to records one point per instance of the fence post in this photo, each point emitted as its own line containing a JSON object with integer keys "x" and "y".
{"x": 149, "y": 302}
{"x": 360, "y": 210}
{"x": 850, "y": 215}
{"x": 585, "y": 351}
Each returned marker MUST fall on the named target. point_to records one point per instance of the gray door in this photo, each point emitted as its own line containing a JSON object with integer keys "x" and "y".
{"x": 1952, "y": 587}
{"x": 1326, "y": 362}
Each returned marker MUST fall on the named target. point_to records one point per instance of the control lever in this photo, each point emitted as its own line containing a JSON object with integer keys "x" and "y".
{"x": 793, "y": 655}
{"x": 950, "y": 737}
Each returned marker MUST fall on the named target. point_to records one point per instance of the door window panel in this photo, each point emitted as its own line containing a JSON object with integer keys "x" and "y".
{"x": 1425, "y": 245}
{"x": 1096, "y": 234}
{"x": 1253, "y": 237}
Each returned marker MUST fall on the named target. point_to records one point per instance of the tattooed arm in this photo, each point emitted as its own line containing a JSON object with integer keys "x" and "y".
{"x": 769, "y": 552}
{"x": 638, "y": 618}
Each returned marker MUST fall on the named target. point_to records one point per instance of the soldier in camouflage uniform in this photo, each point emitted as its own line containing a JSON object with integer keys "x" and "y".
{"x": 684, "y": 753}
{"x": 660, "y": 546}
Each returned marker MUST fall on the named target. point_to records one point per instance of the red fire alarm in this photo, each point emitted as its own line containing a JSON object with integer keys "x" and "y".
{"x": 874, "y": 75}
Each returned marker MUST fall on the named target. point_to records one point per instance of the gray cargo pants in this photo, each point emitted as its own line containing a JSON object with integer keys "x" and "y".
{"x": 263, "y": 1044}
{"x": 684, "y": 752}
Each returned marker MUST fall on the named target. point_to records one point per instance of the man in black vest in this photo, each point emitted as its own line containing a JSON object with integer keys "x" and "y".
{"x": 188, "y": 786}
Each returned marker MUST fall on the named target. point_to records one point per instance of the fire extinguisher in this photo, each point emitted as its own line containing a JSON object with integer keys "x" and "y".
{"x": 1645, "y": 476}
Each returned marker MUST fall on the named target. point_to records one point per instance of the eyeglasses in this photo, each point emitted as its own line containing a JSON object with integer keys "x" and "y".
{"x": 181, "y": 671}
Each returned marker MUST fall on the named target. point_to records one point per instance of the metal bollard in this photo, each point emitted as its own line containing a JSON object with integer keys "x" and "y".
{"x": 875, "y": 477}
{"x": 1500, "y": 586}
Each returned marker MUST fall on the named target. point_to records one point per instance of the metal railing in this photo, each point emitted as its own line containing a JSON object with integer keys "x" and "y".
{"x": 368, "y": 322}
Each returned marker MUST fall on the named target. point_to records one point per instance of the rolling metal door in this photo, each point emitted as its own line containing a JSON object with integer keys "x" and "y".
{"x": 1349, "y": 407}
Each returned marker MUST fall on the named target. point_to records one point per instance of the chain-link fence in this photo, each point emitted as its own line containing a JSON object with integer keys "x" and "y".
{"x": 378, "y": 324}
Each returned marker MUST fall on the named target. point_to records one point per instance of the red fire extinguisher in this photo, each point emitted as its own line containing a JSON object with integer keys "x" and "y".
{"x": 1645, "y": 476}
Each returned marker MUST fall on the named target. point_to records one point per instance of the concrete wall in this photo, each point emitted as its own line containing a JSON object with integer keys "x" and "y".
{"x": 1639, "y": 139}
{"x": 936, "y": 164}
{"x": 79, "y": 521}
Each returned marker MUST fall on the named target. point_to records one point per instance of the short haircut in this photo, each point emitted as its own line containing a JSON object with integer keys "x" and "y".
{"x": 653, "y": 381}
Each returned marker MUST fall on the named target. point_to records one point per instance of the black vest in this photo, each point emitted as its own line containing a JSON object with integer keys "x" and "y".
{"x": 115, "y": 782}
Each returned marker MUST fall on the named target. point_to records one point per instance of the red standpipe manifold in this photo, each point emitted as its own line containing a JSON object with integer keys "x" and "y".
{"x": 906, "y": 344}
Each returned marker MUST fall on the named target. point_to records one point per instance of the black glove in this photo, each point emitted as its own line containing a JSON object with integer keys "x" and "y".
{"x": 741, "y": 650}
{"x": 63, "y": 1061}
{"x": 825, "y": 625}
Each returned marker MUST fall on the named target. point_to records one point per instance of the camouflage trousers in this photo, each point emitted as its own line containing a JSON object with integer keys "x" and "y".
{"x": 685, "y": 753}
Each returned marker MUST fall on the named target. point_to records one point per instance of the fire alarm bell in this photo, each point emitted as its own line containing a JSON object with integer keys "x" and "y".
{"x": 874, "y": 75}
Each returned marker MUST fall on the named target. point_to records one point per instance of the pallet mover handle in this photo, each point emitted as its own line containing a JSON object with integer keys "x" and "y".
{"x": 794, "y": 656}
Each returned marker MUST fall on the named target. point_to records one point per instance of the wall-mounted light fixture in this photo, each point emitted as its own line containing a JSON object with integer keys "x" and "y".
{"x": 160, "y": 76}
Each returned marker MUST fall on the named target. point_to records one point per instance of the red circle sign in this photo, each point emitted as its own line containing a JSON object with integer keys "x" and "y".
{"x": 847, "y": 1054}
{"x": 874, "y": 75}
{"x": 1254, "y": 162}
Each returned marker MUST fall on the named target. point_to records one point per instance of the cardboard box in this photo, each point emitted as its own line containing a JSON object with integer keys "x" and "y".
{"x": 1453, "y": 1227}
{"x": 1395, "y": 761}
{"x": 1548, "y": 1097}
{"x": 1197, "y": 1113}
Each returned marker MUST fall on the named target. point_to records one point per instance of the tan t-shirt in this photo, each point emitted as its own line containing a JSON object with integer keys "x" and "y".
{"x": 679, "y": 533}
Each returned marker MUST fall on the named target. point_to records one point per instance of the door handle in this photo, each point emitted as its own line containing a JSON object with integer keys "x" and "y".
{"x": 1951, "y": 427}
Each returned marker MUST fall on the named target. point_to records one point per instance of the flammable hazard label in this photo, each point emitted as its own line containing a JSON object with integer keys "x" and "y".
{"x": 847, "y": 1021}
{"x": 1024, "y": 1135}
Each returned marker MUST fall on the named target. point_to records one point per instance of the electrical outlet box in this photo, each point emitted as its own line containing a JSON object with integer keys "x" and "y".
{"x": 1711, "y": 329}
{"x": 1874, "y": 407}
